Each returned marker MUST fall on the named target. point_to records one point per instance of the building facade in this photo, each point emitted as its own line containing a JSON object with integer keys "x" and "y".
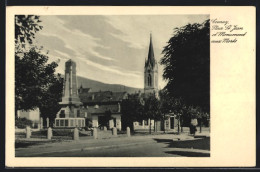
{"x": 102, "y": 108}
{"x": 33, "y": 115}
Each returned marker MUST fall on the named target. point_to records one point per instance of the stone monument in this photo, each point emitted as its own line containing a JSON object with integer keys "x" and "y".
{"x": 70, "y": 116}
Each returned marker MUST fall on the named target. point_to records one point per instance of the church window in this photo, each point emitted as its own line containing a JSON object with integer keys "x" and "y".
{"x": 149, "y": 80}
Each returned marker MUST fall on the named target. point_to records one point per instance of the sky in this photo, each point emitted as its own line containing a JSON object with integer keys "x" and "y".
{"x": 111, "y": 49}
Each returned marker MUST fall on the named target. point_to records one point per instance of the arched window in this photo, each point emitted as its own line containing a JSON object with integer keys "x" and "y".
{"x": 149, "y": 80}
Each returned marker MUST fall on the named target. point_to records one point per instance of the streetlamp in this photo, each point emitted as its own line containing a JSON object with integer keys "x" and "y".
{"x": 179, "y": 122}
{"x": 208, "y": 119}
{"x": 177, "y": 116}
{"x": 200, "y": 117}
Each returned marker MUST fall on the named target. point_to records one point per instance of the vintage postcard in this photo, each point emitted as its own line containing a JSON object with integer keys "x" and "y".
{"x": 130, "y": 86}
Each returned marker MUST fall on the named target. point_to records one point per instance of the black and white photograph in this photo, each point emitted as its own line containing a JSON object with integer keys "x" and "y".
{"x": 112, "y": 86}
{"x": 137, "y": 86}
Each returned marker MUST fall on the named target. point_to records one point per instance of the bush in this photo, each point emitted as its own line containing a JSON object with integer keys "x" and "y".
{"x": 22, "y": 122}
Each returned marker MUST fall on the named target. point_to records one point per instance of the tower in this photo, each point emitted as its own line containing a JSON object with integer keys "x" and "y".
{"x": 69, "y": 115}
{"x": 151, "y": 72}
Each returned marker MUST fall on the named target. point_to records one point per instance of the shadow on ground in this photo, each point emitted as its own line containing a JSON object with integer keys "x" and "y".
{"x": 25, "y": 144}
{"x": 203, "y": 143}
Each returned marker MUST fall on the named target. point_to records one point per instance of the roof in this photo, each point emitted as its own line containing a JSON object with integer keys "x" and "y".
{"x": 84, "y": 90}
{"x": 150, "y": 60}
{"x": 103, "y": 109}
{"x": 102, "y": 96}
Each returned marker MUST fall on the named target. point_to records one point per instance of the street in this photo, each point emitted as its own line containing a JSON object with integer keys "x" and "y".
{"x": 154, "y": 146}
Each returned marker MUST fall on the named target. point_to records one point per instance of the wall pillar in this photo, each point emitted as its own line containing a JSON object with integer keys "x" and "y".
{"x": 114, "y": 131}
{"x": 41, "y": 121}
{"x": 49, "y": 133}
{"x": 76, "y": 134}
{"x": 128, "y": 132}
{"x": 28, "y": 132}
{"x": 95, "y": 134}
{"x": 47, "y": 122}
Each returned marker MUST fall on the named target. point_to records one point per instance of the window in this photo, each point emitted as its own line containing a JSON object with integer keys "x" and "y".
{"x": 57, "y": 123}
{"x": 149, "y": 80}
{"x": 78, "y": 113}
{"x": 62, "y": 123}
{"x": 72, "y": 123}
{"x": 66, "y": 123}
{"x": 62, "y": 114}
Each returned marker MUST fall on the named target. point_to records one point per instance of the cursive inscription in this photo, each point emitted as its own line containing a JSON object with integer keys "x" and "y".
{"x": 222, "y": 31}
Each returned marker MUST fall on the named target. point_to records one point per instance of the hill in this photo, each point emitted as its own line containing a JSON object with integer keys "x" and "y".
{"x": 97, "y": 86}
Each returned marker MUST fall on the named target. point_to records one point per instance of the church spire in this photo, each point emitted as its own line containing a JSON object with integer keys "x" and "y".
{"x": 150, "y": 59}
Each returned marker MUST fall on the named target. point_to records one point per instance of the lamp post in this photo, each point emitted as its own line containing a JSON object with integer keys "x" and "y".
{"x": 178, "y": 123}
{"x": 208, "y": 119}
{"x": 200, "y": 117}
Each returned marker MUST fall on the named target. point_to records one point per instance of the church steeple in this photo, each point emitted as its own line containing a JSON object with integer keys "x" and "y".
{"x": 150, "y": 59}
{"x": 151, "y": 72}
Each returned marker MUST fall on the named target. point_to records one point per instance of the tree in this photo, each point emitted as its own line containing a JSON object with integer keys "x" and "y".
{"x": 165, "y": 105}
{"x": 36, "y": 85}
{"x": 132, "y": 110}
{"x": 152, "y": 110}
{"x": 49, "y": 105}
{"x": 25, "y": 28}
{"x": 33, "y": 77}
{"x": 186, "y": 64}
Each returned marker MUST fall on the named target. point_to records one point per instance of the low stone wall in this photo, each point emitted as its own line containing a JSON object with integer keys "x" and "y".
{"x": 70, "y": 134}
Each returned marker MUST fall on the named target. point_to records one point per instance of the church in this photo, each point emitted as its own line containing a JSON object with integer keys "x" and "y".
{"x": 103, "y": 108}
{"x": 151, "y": 88}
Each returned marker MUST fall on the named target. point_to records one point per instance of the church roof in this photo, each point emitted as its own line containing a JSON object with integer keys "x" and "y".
{"x": 150, "y": 60}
